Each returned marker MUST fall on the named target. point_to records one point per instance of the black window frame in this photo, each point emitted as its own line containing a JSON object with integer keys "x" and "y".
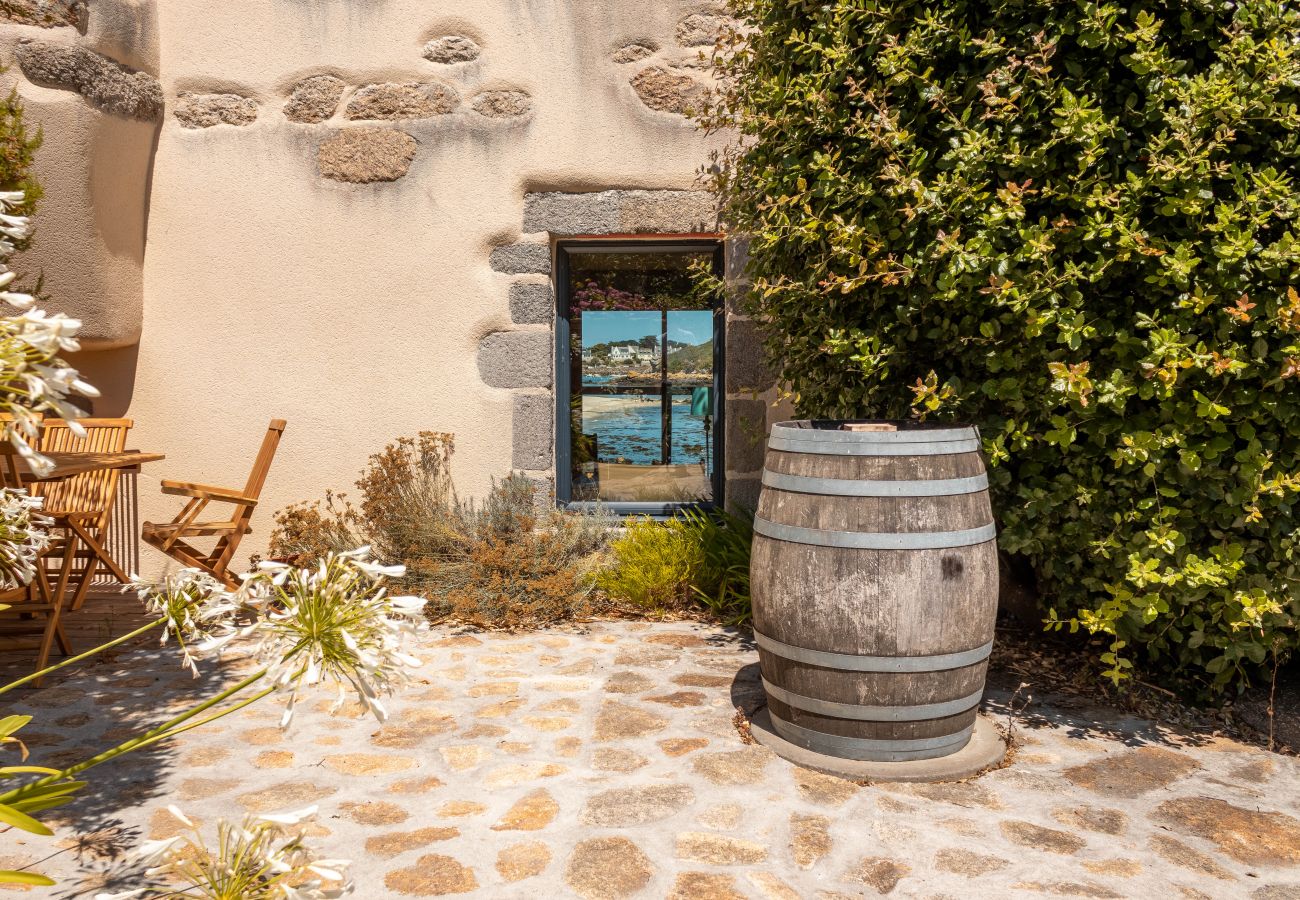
{"x": 563, "y": 379}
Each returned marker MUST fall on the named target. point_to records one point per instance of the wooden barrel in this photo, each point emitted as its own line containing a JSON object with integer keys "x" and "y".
{"x": 875, "y": 585}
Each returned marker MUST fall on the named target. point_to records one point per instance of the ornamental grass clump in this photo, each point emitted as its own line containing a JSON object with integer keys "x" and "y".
{"x": 653, "y": 565}
{"x": 697, "y": 560}
{"x": 1075, "y": 225}
{"x": 504, "y": 562}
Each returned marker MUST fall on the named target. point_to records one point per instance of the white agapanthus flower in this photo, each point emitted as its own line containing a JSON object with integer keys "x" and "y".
{"x": 197, "y": 608}
{"x": 334, "y": 623}
{"x": 24, "y": 535}
{"x": 260, "y": 858}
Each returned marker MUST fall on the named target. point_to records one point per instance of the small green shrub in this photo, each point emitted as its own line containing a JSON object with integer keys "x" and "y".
{"x": 653, "y": 565}
{"x": 698, "y": 559}
{"x": 721, "y": 581}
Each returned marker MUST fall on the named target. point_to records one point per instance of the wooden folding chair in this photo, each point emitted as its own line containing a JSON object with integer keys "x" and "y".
{"x": 169, "y": 538}
{"x": 83, "y": 504}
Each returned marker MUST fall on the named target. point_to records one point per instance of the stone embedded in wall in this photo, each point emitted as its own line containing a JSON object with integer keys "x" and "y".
{"x": 746, "y": 433}
{"x": 747, "y": 370}
{"x": 533, "y": 425}
{"x": 516, "y": 359}
{"x": 620, "y": 212}
{"x": 503, "y": 104}
{"x": 522, "y": 259}
{"x": 742, "y": 493}
{"x": 452, "y": 49}
{"x": 702, "y": 29}
{"x": 557, "y": 212}
{"x": 314, "y": 99}
{"x": 412, "y": 100}
{"x": 633, "y": 52}
{"x": 531, "y": 304}
{"x": 669, "y": 90}
{"x": 648, "y": 212}
{"x": 45, "y": 13}
{"x": 207, "y": 110}
{"x": 105, "y": 84}
{"x": 367, "y": 155}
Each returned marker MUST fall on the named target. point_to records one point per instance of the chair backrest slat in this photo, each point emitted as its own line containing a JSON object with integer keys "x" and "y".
{"x": 93, "y": 491}
{"x": 262, "y": 466}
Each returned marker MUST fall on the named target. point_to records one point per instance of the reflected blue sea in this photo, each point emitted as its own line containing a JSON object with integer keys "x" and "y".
{"x": 629, "y": 426}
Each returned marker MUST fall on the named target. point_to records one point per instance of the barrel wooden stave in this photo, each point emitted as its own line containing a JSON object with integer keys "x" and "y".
{"x": 875, "y": 468}
{"x": 872, "y": 688}
{"x": 803, "y": 588}
{"x": 879, "y": 603}
{"x": 880, "y": 731}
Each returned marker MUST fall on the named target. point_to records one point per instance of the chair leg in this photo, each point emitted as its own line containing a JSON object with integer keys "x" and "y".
{"x": 191, "y": 556}
{"x": 83, "y": 585}
{"x": 101, "y": 554}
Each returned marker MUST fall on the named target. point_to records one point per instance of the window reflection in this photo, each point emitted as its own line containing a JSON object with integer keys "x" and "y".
{"x": 642, "y": 379}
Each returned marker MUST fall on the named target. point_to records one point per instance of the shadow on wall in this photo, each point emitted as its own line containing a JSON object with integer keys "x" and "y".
{"x": 91, "y": 87}
{"x": 113, "y": 372}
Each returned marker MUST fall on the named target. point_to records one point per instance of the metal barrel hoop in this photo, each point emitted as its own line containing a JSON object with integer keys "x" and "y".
{"x": 876, "y": 540}
{"x": 853, "y": 662}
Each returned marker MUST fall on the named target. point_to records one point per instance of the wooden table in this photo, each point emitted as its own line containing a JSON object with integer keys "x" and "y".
{"x": 76, "y": 531}
{"x": 67, "y": 465}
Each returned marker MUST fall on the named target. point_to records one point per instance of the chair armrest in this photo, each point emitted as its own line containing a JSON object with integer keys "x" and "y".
{"x": 206, "y": 492}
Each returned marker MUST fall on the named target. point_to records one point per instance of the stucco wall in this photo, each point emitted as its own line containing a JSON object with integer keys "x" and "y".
{"x": 356, "y": 311}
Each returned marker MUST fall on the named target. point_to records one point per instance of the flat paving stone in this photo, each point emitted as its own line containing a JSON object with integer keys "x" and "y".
{"x": 601, "y": 761}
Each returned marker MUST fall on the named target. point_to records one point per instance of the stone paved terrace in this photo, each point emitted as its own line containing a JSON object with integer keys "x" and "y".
{"x": 602, "y": 762}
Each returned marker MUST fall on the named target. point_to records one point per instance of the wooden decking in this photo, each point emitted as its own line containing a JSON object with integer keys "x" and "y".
{"x": 108, "y": 613}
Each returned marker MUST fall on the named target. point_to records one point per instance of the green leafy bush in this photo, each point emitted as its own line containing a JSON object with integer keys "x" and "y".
{"x": 1073, "y": 223}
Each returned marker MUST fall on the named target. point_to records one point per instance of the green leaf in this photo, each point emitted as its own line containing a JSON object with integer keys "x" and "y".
{"x": 11, "y": 816}
{"x": 10, "y": 724}
{"x": 11, "y": 877}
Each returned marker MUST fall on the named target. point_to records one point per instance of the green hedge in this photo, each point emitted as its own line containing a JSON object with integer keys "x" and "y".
{"x": 1073, "y": 223}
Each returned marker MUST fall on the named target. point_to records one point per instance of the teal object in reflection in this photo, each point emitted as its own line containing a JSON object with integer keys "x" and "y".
{"x": 702, "y": 401}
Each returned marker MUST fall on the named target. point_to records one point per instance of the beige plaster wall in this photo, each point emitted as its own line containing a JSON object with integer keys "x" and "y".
{"x": 355, "y": 311}
{"x": 94, "y": 164}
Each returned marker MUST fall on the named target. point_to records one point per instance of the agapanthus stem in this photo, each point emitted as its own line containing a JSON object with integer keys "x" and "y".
{"x": 212, "y": 718}
{"x": 153, "y": 736}
{"x": 79, "y": 657}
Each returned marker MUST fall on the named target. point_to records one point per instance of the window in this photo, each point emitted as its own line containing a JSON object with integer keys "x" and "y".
{"x": 639, "y": 377}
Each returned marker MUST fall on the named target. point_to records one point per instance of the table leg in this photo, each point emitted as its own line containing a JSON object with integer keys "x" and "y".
{"x": 53, "y": 627}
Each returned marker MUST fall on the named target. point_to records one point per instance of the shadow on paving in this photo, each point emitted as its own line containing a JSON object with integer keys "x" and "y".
{"x": 88, "y": 711}
{"x": 1018, "y": 701}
